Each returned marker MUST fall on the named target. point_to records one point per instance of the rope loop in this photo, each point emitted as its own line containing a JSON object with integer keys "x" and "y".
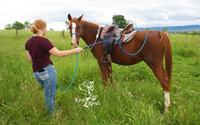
{"x": 138, "y": 50}
{"x": 73, "y": 76}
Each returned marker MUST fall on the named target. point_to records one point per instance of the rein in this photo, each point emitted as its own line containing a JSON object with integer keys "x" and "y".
{"x": 97, "y": 43}
{"x": 138, "y": 50}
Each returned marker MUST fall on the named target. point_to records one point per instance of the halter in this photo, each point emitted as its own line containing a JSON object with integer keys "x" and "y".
{"x": 77, "y": 33}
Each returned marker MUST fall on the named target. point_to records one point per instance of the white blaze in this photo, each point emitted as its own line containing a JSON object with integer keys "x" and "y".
{"x": 74, "y": 31}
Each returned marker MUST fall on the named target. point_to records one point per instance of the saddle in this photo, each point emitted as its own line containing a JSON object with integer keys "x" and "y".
{"x": 114, "y": 33}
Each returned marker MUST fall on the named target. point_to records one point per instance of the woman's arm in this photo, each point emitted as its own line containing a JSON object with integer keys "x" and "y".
{"x": 29, "y": 56}
{"x": 54, "y": 51}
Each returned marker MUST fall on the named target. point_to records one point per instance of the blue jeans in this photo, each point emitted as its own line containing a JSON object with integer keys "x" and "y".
{"x": 48, "y": 79}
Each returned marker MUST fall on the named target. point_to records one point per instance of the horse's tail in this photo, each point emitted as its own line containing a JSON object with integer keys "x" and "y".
{"x": 165, "y": 41}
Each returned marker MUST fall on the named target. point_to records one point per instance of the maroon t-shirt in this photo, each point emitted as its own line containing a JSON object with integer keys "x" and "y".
{"x": 38, "y": 48}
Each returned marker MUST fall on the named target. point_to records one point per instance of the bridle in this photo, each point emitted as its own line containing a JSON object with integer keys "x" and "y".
{"x": 79, "y": 33}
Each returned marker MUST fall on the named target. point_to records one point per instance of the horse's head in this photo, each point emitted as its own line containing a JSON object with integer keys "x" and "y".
{"x": 76, "y": 30}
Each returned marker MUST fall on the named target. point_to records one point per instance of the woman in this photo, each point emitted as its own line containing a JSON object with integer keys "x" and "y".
{"x": 38, "y": 50}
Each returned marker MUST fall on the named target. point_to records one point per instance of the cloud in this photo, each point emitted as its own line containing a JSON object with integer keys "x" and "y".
{"x": 144, "y": 13}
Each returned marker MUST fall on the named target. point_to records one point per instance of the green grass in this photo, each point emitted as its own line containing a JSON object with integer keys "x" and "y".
{"x": 137, "y": 99}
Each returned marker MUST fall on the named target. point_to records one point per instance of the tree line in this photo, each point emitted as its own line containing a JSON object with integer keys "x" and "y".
{"x": 116, "y": 19}
{"x": 18, "y": 25}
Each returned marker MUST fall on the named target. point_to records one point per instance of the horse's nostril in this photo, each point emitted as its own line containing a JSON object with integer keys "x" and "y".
{"x": 77, "y": 42}
{"x": 71, "y": 44}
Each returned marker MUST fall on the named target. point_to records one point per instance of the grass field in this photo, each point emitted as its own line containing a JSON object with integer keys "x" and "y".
{"x": 137, "y": 99}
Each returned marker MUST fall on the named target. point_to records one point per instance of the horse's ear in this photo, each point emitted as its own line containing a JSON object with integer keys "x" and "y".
{"x": 80, "y": 18}
{"x": 69, "y": 17}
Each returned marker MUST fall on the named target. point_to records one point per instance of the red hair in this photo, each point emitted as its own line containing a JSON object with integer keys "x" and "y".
{"x": 37, "y": 25}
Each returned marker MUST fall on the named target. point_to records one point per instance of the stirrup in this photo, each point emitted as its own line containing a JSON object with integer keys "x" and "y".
{"x": 108, "y": 58}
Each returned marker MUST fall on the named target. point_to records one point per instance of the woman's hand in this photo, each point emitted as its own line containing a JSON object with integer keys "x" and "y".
{"x": 78, "y": 49}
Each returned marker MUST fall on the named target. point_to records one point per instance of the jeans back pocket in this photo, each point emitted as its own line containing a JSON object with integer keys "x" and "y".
{"x": 43, "y": 75}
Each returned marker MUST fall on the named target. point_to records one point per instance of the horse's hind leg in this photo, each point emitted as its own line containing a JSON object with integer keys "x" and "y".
{"x": 164, "y": 81}
{"x": 110, "y": 75}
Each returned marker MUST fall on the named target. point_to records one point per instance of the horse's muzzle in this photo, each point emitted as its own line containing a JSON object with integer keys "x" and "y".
{"x": 77, "y": 44}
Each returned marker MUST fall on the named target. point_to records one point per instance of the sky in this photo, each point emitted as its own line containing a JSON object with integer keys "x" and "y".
{"x": 143, "y": 13}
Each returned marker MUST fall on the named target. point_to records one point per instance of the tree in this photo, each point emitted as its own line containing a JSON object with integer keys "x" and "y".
{"x": 147, "y": 28}
{"x": 67, "y": 24}
{"x": 164, "y": 29}
{"x": 8, "y": 26}
{"x": 119, "y": 20}
{"x": 17, "y": 25}
{"x": 51, "y": 29}
{"x": 27, "y": 24}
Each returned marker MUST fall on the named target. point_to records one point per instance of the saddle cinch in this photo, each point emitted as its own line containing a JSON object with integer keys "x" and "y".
{"x": 114, "y": 33}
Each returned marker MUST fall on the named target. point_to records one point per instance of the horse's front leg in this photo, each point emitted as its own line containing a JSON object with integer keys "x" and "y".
{"x": 104, "y": 72}
{"x": 110, "y": 75}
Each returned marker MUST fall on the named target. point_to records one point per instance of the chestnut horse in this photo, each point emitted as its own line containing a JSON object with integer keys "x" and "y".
{"x": 156, "y": 48}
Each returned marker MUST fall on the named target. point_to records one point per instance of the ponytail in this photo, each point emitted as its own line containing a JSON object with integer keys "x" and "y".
{"x": 37, "y": 25}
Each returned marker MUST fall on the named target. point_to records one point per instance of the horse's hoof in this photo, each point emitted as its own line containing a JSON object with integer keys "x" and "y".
{"x": 106, "y": 87}
{"x": 166, "y": 111}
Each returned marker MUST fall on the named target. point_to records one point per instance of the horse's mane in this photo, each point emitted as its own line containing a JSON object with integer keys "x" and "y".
{"x": 93, "y": 23}
{"x": 84, "y": 21}
{"x": 89, "y": 22}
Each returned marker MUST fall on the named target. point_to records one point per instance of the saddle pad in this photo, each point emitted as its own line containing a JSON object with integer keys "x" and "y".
{"x": 127, "y": 37}
{"x": 103, "y": 32}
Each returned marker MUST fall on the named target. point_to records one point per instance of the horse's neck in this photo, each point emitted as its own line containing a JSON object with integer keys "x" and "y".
{"x": 89, "y": 32}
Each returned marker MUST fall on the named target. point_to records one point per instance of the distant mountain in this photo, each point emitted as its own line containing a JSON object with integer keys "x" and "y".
{"x": 187, "y": 28}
